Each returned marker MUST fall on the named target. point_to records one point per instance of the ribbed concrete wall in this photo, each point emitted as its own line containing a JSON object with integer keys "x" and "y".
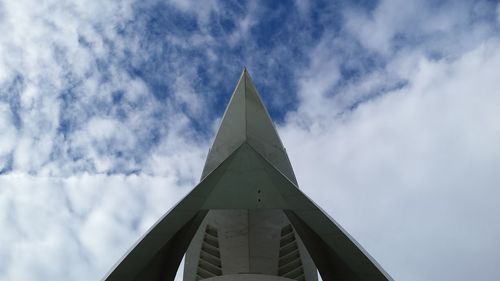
{"x": 248, "y": 277}
{"x": 249, "y": 242}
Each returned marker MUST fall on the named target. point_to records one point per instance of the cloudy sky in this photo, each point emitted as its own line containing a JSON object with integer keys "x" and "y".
{"x": 389, "y": 110}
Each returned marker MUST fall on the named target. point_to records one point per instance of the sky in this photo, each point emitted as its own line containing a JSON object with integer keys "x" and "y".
{"x": 389, "y": 111}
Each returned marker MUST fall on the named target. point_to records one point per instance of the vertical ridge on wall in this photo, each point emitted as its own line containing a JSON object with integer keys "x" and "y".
{"x": 209, "y": 264}
{"x": 290, "y": 263}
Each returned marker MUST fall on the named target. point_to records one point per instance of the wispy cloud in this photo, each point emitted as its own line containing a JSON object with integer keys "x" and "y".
{"x": 413, "y": 172}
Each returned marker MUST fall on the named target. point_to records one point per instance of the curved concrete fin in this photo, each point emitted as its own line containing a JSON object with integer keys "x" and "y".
{"x": 156, "y": 256}
{"x": 261, "y": 133}
{"x": 336, "y": 254}
{"x": 246, "y": 120}
{"x": 231, "y": 133}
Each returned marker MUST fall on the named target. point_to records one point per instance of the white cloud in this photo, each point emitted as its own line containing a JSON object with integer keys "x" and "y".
{"x": 412, "y": 173}
{"x": 244, "y": 25}
{"x": 62, "y": 215}
{"x": 76, "y": 227}
{"x": 498, "y": 13}
{"x": 316, "y": 83}
{"x": 303, "y": 6}
{"x": 8, "y": 134}
{"x": 202, "y": 12}
{"x": 40, "y": 51}
{"x": 423, "y": 24}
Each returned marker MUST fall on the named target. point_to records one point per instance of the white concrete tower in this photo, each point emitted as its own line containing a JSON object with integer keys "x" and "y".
{"x": 247, "y": 220}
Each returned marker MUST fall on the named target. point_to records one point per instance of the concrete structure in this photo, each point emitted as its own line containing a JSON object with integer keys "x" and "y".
{"x": 247, "y": 220}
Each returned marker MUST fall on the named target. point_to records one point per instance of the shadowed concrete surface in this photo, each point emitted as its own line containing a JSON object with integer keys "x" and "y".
{"x": 249, "y": 240}
{"x": 248, "y": 277}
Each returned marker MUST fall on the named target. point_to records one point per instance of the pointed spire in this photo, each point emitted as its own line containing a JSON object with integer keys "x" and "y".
{"x": 246, "y": 120}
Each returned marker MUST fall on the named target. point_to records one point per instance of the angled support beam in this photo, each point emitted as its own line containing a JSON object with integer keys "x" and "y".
{"x": 164, "y": 266}
{"x": 158, "y": 253}
{"x": 330, "y": 266}
{"x": 137, "y": 265}
{"x": 336, "y": 254}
